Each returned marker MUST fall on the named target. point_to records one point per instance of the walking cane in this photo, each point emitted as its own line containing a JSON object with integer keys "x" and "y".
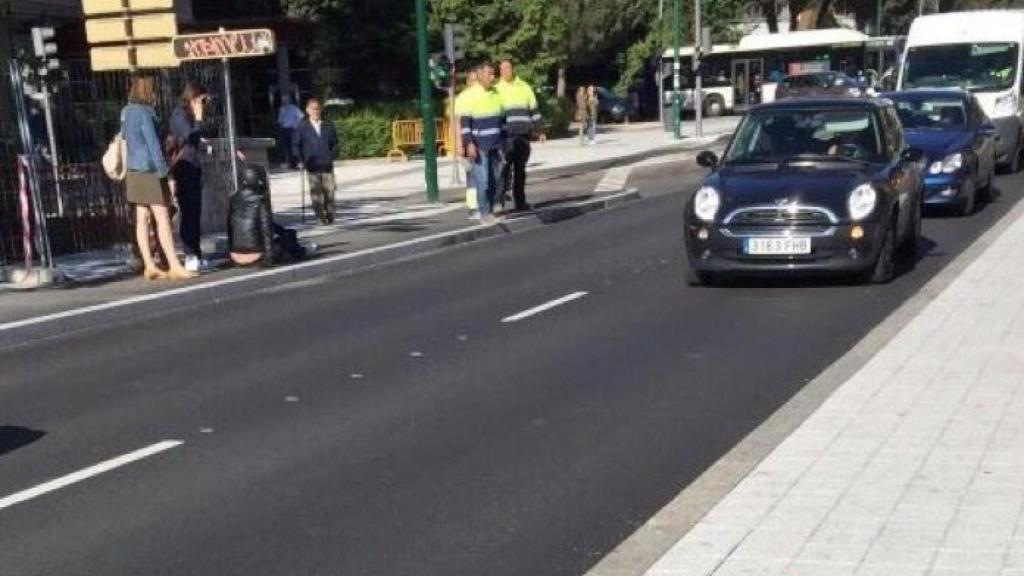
{"x": 304, "y": 181}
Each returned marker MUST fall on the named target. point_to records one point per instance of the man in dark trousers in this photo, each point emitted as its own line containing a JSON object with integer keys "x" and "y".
{"x": 316, "y": 146}
{"x": 523, "y": 120}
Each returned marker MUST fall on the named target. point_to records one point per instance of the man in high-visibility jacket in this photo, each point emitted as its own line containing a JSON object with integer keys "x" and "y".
{"x": 523, "y": 119}
{"x": 483, "y": 135}
{"x": 461, "y": 102}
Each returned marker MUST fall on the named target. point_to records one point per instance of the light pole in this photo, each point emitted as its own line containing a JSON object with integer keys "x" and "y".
{"x": 426, "y": 103}
{"x": 698, "y": 48}
{"x": 677, "y": 9}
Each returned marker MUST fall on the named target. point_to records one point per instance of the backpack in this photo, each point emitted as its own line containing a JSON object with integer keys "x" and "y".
{"x": 115, "y": 159}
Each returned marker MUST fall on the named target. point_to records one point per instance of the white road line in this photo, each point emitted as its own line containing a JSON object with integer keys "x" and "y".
{"x": 543, "y": 307}
{"x": 87, "y": 473}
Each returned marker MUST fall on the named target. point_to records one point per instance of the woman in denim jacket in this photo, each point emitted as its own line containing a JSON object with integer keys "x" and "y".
{"x": 146, "y": 181}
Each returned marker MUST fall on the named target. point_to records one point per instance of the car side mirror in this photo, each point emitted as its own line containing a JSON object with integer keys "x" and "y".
{"x": 708, "y": 159}
{"x": 912, "y": 155}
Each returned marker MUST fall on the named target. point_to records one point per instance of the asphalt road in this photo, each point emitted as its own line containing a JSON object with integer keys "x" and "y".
{"x": 389, "y": 422}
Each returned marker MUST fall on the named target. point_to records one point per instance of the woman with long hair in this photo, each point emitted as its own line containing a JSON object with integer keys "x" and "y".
{"x": 146, "y": 180}
{"x": 187, "y": 130}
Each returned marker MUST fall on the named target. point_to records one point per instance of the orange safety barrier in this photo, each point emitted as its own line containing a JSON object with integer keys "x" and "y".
{"x": 409, "y": 134}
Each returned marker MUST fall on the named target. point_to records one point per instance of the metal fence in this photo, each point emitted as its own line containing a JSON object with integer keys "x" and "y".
{"x": 84, "y": 209}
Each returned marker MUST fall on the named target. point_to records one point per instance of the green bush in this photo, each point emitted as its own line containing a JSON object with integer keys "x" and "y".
{"x": 364, "y": 134}
{"x": 365, "y": 131}
{"x": 558, "y": 114}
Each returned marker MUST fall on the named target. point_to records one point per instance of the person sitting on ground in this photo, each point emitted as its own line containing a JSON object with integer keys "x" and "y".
{"x": 253, "y": 237}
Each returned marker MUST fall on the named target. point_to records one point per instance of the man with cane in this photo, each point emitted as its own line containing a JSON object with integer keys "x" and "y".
{"x": 316, "y": 146}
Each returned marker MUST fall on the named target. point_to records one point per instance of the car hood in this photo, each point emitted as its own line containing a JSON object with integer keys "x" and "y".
{"x": 936, "y": 144}
{"x": 810, "y": 186}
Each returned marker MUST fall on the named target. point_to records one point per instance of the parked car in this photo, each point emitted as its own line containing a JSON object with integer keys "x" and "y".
{"x": 819, "y": 84}
{"x": 808, "y": 186}
{"x": 611, "y": 107}
{"x": 958, "y": 141}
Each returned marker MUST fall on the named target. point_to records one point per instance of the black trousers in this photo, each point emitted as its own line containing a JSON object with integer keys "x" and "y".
{"x": 516, "y": 159}
{"x": 190, "y": 199}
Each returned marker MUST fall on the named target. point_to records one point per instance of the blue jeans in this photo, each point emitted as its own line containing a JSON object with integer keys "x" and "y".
{"x": 592, "y": 130}
{"x": 485, "y": 176}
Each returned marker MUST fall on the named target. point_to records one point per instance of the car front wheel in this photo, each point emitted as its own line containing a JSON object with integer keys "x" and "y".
{"x": 885, "y": 265}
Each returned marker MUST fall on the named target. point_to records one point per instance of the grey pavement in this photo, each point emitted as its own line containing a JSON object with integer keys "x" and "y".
{"x": 385, "y": 206}
{"x": 914, "y": 466}
{"x": 391, "y": 420}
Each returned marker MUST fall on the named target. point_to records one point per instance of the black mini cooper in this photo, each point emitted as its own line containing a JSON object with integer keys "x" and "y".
{"x": 808, "y": 186}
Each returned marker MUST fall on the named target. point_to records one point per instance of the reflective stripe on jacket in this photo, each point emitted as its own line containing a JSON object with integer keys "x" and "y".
{"x": 520, "y": 103}
{"x": 483, "y": 119}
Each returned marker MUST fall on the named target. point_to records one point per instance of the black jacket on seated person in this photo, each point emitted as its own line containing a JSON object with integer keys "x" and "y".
{"x": 317, "y": 151}
{"x": 250, "y": 225}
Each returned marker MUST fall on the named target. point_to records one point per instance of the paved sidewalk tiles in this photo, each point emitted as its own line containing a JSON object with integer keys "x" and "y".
{"x": 915, "y": 465}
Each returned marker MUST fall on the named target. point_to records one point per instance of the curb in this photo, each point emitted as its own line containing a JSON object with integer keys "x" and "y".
{"x": 30, "y": 330}
{"x": 624, "y": 160}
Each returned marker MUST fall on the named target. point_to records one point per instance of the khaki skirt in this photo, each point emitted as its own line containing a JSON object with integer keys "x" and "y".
{"x": 147, "y": 189}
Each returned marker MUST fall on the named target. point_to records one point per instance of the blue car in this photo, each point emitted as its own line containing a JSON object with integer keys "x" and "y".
{"x": 958, "y": 141}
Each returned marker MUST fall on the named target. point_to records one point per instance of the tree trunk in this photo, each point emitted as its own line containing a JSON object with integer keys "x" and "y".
{"x": 560, "y": 86}
{"x": 771, "y": 16}
{"x": 825, "y": 19}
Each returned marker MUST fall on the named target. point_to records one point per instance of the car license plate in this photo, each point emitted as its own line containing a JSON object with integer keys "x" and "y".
{"x": 777, "y": 246}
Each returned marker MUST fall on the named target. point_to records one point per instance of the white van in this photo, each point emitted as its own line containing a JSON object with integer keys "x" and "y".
{"x": 979, "y": 51}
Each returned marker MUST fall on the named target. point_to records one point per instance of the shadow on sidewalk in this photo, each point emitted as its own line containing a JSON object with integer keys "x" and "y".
{"x": 15, "y": 437}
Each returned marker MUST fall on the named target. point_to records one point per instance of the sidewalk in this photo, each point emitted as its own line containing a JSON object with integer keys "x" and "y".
{"x": 382, "y": 180}
{"x": 375, "y": 223}
{"x": 913, "y": 466}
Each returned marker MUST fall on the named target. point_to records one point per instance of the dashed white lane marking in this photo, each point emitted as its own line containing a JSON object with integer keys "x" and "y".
{"x": 86, "y": 473}
{"x": 544, "y": 307}
{"x": 614, "y": 180}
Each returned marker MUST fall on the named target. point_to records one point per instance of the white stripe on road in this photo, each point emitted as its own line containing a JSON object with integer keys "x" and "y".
{"x": 87, "y": 473}
{"x": 543, "y": 307}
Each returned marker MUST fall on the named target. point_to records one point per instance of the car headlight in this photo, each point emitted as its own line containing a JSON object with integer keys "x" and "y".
{"x": 862, "y": 201}
{"x": 706, "y": 202}
{"x": 1005, "y": 106}
{"x": 949, "y": 165}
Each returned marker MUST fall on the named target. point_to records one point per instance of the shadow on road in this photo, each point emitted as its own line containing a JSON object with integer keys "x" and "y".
{"x": 15, "y": 437}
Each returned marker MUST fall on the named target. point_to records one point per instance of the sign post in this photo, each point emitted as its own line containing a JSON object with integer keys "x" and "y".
{"x": 224, "y": 45}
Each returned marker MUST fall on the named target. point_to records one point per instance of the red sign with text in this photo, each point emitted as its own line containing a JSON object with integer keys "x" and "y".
{"x": 225, "y": 44}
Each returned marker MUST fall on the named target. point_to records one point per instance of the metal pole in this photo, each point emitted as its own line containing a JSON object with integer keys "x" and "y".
{"x": 51, "y": 135}
{"x": 426, "y": 103}
{"x": 42, "y": 236}
{"x": 453, "y": 130}
{"x": 229, "y": 105}
{"x": 698, "y": 48}
{"x": 677, "y": 9}
{"x": 878, "y": 32}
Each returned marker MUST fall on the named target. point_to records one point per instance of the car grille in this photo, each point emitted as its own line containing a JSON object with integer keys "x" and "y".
{"x": 783, "y": 216}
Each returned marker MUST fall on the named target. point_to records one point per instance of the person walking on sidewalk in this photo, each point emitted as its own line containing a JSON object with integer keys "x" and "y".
{"x": 146, "y": 185}
{"x": 522, "y": 121}
{"x": 316, "y": 146}
{"x": 483, "y": 132}
{"x": 593, "y": 109}
{"x": 461, "y": 103}
{"x": 288, "y": 119}
{"x": 582, "y": 112}
{"x": 188, "y": 130}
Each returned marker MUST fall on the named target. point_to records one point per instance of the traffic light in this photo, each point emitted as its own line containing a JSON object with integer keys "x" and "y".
{"x": 455, "y": 40}
{"x": 44, "y": 46}
{"x": 440, "y": 71}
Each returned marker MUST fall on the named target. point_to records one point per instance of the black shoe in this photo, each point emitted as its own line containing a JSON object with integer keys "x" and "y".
{"x": 523, "y": 208}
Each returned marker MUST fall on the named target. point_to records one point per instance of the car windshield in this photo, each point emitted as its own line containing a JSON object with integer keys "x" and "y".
{"x": 942, "y": 113}
{"x": 780, "y": 135}
{"x": 978, "y": 67}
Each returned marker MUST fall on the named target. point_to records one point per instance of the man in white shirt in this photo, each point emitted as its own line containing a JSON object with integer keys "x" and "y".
{"x": 288, "y": 118}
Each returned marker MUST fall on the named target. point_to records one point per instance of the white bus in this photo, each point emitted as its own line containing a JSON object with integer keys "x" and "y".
{"x": 737, "y": 76}
{"x": 978, "y": 51}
